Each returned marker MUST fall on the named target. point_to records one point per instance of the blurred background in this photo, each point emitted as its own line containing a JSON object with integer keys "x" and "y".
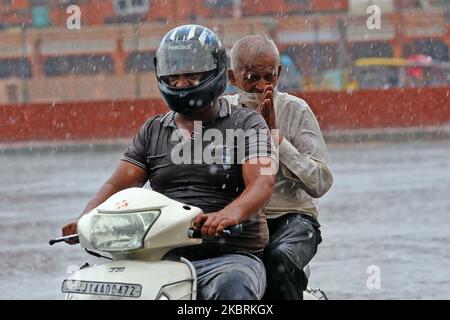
{"x": 72, "y": 98}
{"x": 323, "y": 44}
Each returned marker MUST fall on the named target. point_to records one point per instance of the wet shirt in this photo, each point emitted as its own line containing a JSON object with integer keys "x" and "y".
{"x": 303, "y": 174}
{"x": 206, "y": 170}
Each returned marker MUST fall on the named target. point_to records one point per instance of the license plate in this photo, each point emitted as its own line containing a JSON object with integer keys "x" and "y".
{"x": 102, "y": 288}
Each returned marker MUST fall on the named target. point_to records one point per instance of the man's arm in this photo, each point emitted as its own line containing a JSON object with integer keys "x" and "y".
{"x": 126, "y": 175}
{"x": 259, "y": 180}
{"x": 304, "y": 159}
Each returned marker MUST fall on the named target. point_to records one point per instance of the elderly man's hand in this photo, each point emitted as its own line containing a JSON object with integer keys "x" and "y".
{"x": 267, "y": 110}
{"x": 214, "y": 223}
{"x": 266, "y": 107}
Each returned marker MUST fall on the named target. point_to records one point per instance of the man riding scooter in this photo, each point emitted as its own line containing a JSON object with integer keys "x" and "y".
{"x": 191, "y": 74}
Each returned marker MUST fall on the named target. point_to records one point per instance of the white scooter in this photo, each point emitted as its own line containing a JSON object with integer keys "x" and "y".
{"x": 137, "y": 227}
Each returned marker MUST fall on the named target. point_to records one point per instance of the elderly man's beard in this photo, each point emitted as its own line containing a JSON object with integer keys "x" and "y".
{"x": 252, "y": 100}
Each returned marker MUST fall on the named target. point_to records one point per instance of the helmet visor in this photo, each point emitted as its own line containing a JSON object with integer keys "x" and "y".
{"x": 184, "y": 57}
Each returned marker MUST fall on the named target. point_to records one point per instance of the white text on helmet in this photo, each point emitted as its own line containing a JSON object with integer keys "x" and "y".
{"x": 180, "y": 47}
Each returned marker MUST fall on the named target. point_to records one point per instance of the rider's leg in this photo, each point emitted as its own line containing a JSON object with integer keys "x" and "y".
{"x": 293, "y": 242}
{"x": 230, "y": 277}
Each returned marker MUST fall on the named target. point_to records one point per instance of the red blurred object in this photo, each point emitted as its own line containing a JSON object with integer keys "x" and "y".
{"x": 417, "y": 71}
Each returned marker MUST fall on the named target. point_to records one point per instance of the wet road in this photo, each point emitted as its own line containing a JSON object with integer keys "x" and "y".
{"x": 388, "y": 214}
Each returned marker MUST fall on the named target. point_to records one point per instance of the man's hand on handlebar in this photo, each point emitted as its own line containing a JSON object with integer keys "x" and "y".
{"x": 69, "y": 229}
{"x": 213, "y": 224}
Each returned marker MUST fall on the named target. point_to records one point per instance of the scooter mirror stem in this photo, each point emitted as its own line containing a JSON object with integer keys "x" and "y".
{"x": 61, "y": 239}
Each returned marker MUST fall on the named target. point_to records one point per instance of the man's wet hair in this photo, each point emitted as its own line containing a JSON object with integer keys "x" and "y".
{"x": 254, "y": 46}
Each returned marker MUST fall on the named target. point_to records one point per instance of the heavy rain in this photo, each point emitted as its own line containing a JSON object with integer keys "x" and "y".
{"x": 77, "y": 81}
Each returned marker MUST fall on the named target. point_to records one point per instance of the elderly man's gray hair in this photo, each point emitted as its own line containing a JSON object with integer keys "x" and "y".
{"x": 253, "y": 46}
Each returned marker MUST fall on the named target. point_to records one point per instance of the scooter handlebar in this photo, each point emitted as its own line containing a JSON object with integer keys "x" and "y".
{"x": 61, "y": 239}
{"x": 192, "y": 233}
{"x": 234, "y": 230}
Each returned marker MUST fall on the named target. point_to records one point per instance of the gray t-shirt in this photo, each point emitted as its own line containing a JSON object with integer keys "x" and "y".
{"x": 206, "y": 170}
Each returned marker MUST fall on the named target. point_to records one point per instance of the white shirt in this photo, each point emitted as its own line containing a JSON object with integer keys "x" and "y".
{"x": 304, "y": 174}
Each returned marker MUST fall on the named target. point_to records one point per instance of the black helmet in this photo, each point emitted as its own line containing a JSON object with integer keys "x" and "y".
{"x": 191, "y": 49}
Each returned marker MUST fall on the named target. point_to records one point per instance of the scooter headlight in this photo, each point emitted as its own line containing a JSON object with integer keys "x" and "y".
{"x": 121, "y": 231}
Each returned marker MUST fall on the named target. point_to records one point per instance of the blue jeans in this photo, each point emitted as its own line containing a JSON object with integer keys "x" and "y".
{"x": 229, "y": 276}
{"x": 235, "y": 276}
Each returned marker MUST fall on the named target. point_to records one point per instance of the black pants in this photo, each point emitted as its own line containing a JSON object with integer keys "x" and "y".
{"x": 294, "y": 239}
